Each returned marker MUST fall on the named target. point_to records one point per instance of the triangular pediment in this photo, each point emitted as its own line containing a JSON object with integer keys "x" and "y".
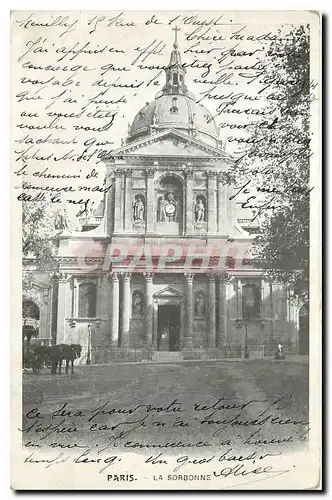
{"x": 170, "y": 143}
{"x": 168, "y": 291}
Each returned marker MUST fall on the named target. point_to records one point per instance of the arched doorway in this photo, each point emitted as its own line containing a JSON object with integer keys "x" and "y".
{"x": 30, "y": 320}
{"x": 304, "y": 330}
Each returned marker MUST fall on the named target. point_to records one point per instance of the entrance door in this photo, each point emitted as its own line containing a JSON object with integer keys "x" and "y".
{"x": 168, "y": 327}
{"x": 304, "y": 330}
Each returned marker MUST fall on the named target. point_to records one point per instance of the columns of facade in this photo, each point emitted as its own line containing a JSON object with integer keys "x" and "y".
{"x": 48, "y": 304}
{"x": 150, "y": 202}
{"x": 267, "y": 308}
{"x": 54, "y": 314}
{"x": 118, "y": 202}
{"x": 238, "y": 299}
{"x": 62, "y": 309}
{"x": 222, "y": 310}
{"x": 109, "y": 201}
{"x": 126, "y": 309}
{"x": 189, "y": 199}
{"x": 212, "y": 311}
{"x": 149, "y": 307}
{"x": 115, "y": 309}
{"x": 103, "y": 310}
{"x": 75, "y": 299}
{"x": 222, "y": 205}
{"x": 128, "y": 201}
{"x": 189, "y": 327}
{"x": 43, "y": 320}
{"x": 212, "y": 201}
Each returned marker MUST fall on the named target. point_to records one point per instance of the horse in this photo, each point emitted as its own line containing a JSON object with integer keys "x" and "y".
{"x": 59, "y": 352}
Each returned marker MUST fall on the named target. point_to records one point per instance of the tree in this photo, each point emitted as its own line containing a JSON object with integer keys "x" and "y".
{"x": 278, "y": 160}
{"x": 37, "y": 238}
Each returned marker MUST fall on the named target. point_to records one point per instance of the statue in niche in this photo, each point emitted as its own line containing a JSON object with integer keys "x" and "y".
{"x": 61, "y": 220}
{"x": 200, "y": 305}
{"x": 199, "y": 209}
{"x": 139, "y": 208}
{"x": 168, "y": 208}
{"x": 161, "y": 209}
{"x": 137, "y": 304}
{"x": 92, "y": 209}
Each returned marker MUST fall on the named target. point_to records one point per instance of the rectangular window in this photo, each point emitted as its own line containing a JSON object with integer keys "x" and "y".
{"x": 87, "y": 300}
{"x": 251, "y": 301}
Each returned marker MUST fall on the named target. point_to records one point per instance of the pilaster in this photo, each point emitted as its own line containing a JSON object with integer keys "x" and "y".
{"x": 188, "y": 340}
{"x": 150, "y": 201}
{"x": 119, "y": 195}
{"x": 115, "y": 309}
{"x": 126, "y": 309}
{"x": 149, "y": 307}
{"x": 212, "y": 311}
{"x": 212, "y": 196}
{"x": 189, "y": 199}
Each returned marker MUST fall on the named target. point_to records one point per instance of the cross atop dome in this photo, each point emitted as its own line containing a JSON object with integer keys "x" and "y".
{"x": 175, "y": 44}
{"x": 175, "y": 71}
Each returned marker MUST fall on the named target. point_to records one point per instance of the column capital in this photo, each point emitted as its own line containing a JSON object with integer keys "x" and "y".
{"x": 126, "y": 276}
{"x": 58, "y": 276}
{"x": 119, "y": 172}
{"x": 189, "y": 172}
{"x": 212, "y": 278}
{"x": 129, "y": 172}
{"x": 189, "y": 278}
{"x": 150, "y": 172}
{"x": 114, "y": 277}
{"x": 148, "y": 277}
{"x": 223, "y": 278}
{"x": 211, "y": 174}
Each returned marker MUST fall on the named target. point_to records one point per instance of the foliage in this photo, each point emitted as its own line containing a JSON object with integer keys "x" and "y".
{"x": 38, "y": 234}
{"x": 37, "y": 239}
{"x": 278, "y": 160}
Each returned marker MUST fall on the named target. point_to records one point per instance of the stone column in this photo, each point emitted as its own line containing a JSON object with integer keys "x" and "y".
{"x": 222, "y": 310}
{"x": 75, "y": 299}
{"x": 189, "y": 200}
{"x": 267, "y": 308}
{"x": 150, "y": 200}
{"x": 126, "y": 309}
{"x": 222, "y": 206}
{"x": 128, "y": 215}
{"x": 109, "y": 201}
{"x": 118, "y": 212}
{"x": 115, "y": 309}
{"x": 149, "y": 307}
{"x": 212, "y": 311}
{"x": 238, "y": 285}
{"x": 62, "y": 308}
{"x": 189, "y": 301}
{"x": 212, "y": 205}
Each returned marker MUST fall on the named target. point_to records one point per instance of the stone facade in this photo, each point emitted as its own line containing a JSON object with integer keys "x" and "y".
{"x": 167, "y": 190}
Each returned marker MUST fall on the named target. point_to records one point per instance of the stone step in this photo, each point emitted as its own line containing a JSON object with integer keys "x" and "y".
{"x": 167, "y": 356}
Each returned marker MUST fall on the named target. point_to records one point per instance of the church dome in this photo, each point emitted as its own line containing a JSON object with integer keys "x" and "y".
{"x": 175, "y": 111}
{"x": 175, "y": 107}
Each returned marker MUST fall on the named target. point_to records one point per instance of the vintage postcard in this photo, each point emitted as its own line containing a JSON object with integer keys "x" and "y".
{"x": 166, "y": 240}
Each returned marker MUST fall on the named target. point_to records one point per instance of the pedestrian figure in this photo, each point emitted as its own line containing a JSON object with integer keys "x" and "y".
{"x": 280, "y": 355}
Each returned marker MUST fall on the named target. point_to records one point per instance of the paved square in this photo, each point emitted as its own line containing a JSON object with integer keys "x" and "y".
{"x": 209, "y": 396}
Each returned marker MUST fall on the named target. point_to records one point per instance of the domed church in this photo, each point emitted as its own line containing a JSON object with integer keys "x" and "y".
{"x": 178, "y": 281}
